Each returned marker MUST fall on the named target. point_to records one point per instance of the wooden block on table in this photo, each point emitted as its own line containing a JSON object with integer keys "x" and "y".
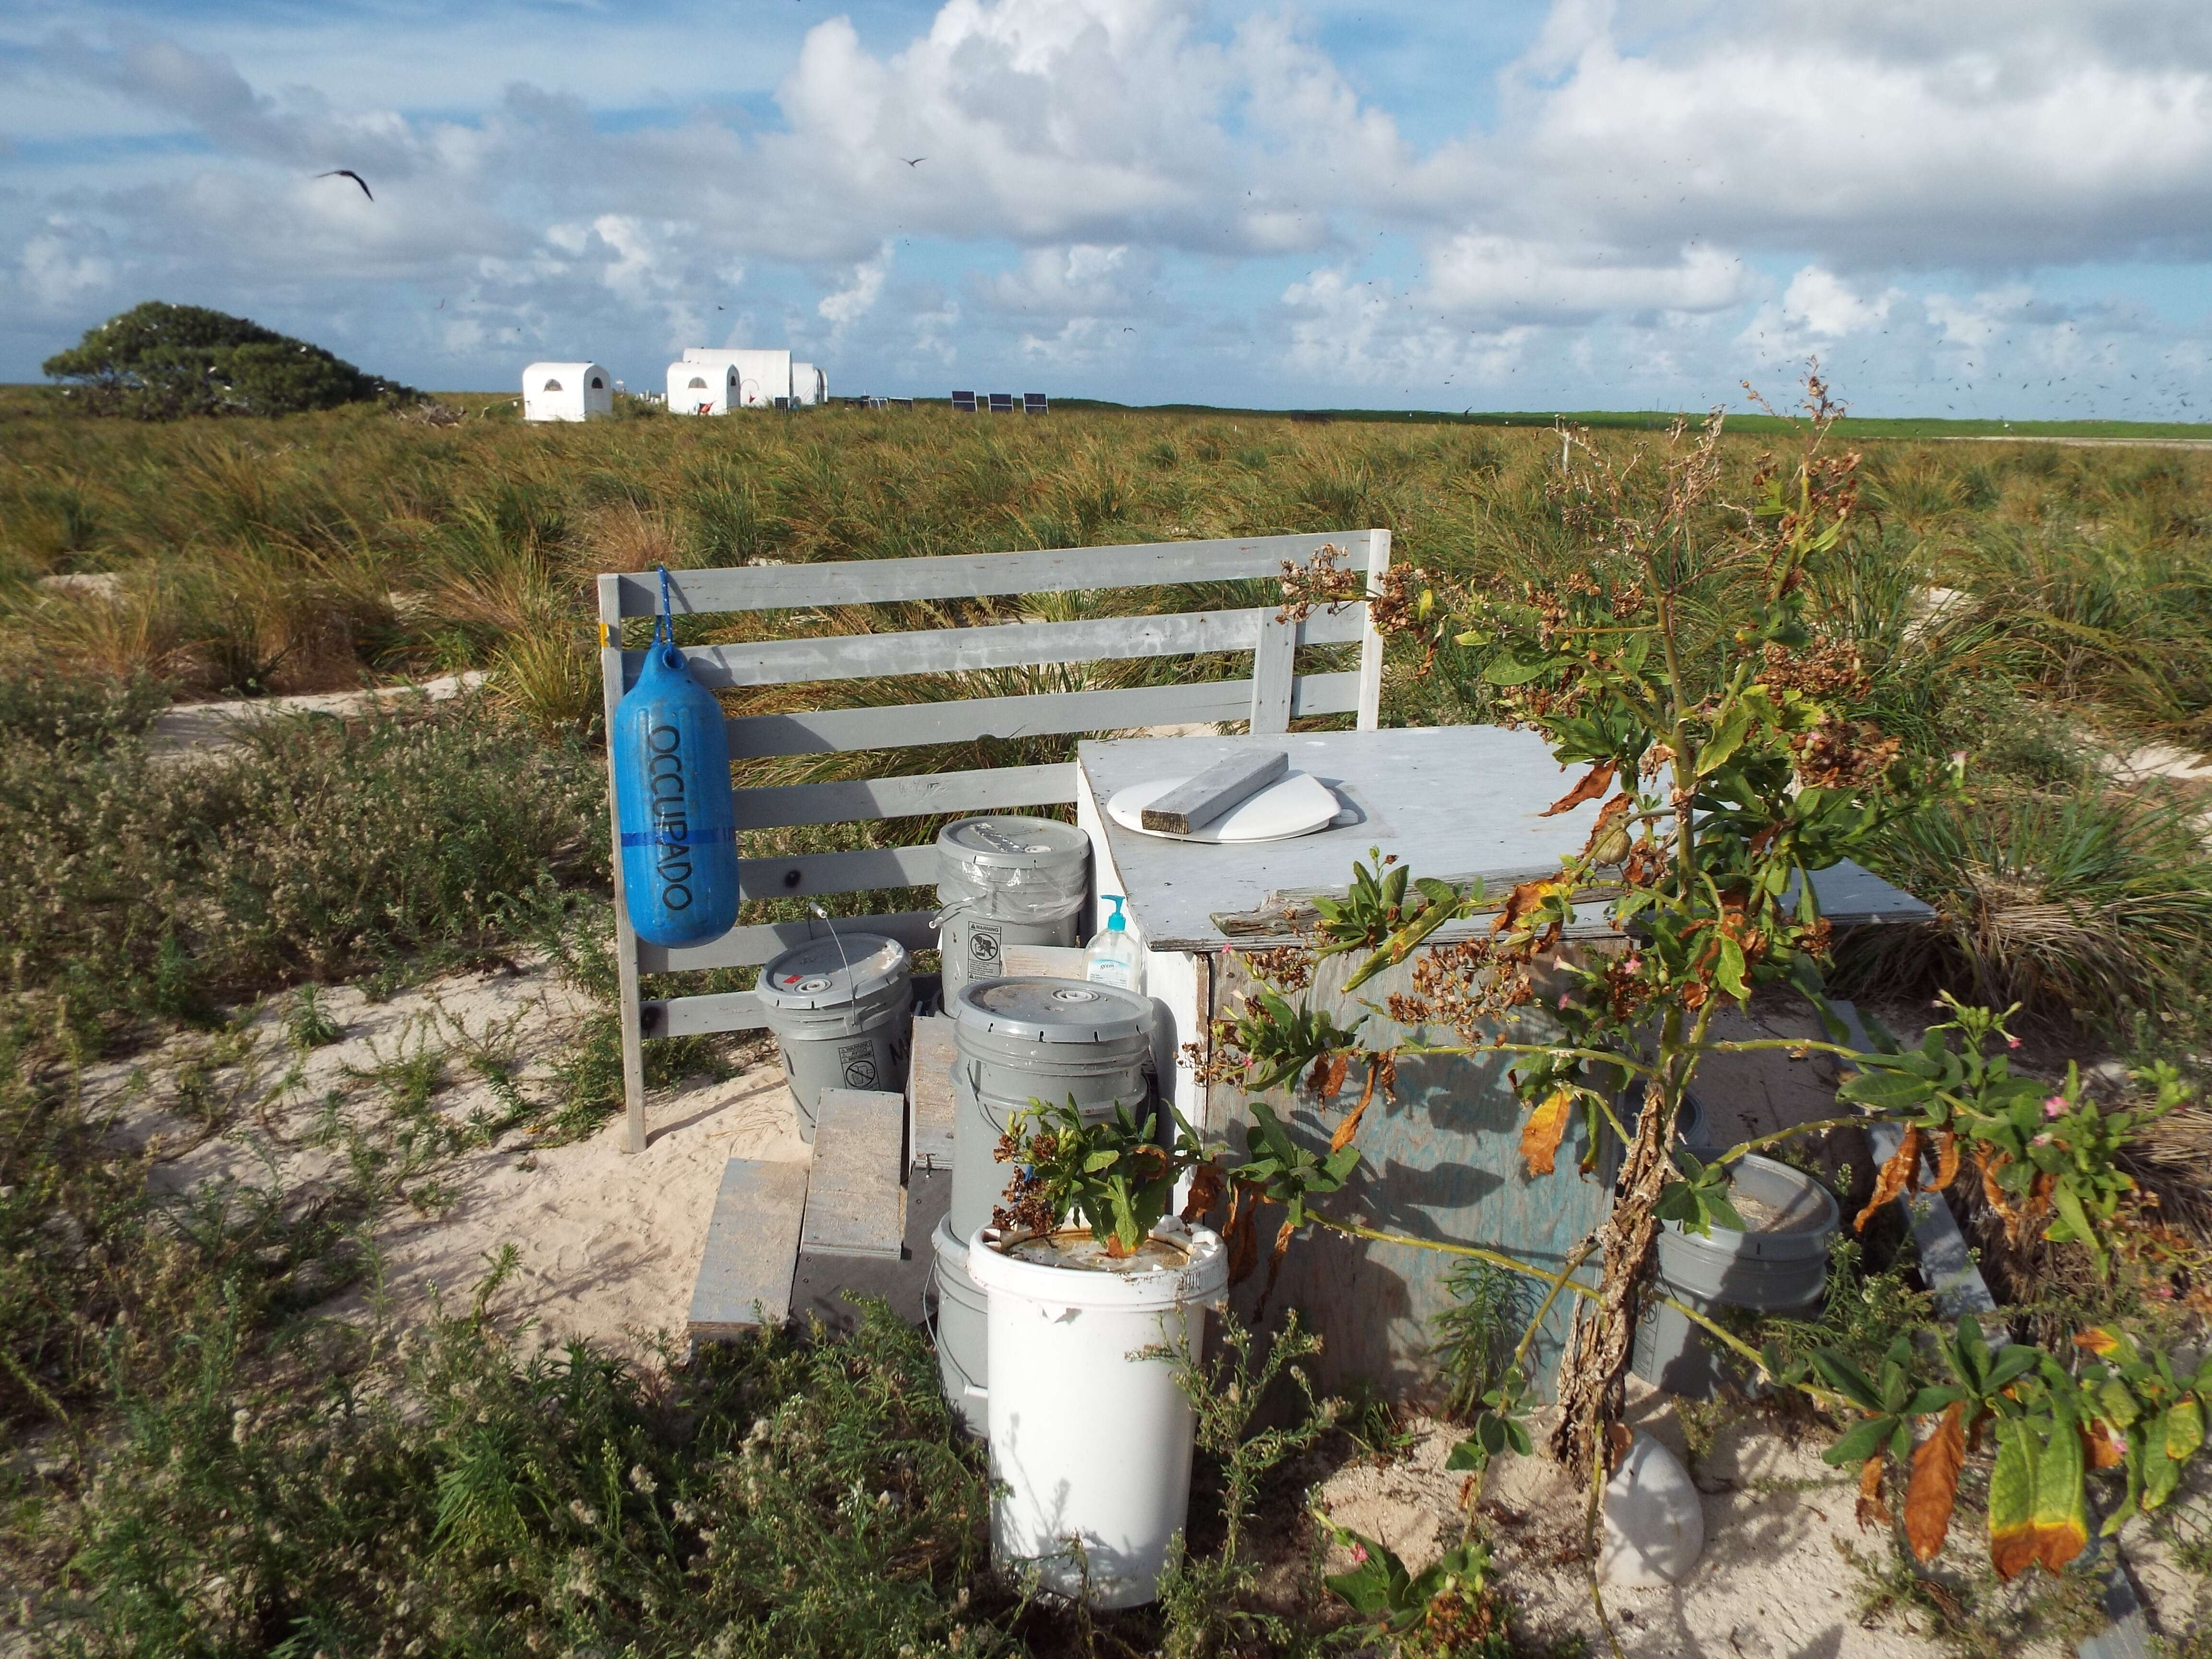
{"x": 752, "y": 1250}
{"x": 929, "y": 1095}
{"x": 1047, "y": 961}
{"x": 855, "y": 1203}
{"x": 1196, "y": 802}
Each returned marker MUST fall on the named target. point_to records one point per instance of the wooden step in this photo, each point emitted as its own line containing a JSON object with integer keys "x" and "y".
{"x": 855, "y": 1203}
{"x": 929, "y": 1095}
{"x": 752, "y": 1250}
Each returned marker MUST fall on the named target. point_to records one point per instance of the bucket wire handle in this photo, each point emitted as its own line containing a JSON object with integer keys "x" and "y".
{"x": 663, "y": 625}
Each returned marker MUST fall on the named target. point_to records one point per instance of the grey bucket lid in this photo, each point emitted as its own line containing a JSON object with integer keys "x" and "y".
{"x": 1009, "y": 842}
{"x": 1039, "y": 1010}
{"x": 830, "y": 973}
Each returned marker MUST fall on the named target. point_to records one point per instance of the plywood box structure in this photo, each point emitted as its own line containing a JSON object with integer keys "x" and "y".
{"x": 1442, "y": 1157}
{"x": 566, "y": 392}
{"x": 701, "y": 388}
{"x": 762, "y": 377}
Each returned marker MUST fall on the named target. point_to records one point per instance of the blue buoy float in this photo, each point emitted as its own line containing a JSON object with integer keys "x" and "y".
{"x": 671, "y": 768}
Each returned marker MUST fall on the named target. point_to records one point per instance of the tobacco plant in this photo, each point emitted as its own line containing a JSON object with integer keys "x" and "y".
{"x": 1729, "y": 750}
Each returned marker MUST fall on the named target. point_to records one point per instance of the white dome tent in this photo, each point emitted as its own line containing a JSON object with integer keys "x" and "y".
{"x": 809, "y": 386}
{"x": 566, "y": 392}
{"x": 696, "y": 388}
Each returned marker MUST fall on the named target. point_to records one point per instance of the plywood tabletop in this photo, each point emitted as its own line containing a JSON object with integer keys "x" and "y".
{"x": 1463, "y": 802}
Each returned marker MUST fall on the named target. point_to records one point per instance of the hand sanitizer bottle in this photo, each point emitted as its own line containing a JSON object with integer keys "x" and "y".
{"x": 1114, "y": 957}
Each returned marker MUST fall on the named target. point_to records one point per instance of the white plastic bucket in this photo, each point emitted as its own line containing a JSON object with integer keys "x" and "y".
{"x": 1090, "y": 1446}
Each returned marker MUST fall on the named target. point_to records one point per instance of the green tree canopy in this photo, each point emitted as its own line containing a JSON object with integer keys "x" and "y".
{"x": 157, "y": 360}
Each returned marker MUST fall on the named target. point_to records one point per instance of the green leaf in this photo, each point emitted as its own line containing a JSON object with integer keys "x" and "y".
{"x": 1504, "y": 670}
{"x": 1099, "y": 1160}
{"x": 1847, "y": 1379}
{"x": 1726, "y": 739}
{"x": 1864, "y": 1440}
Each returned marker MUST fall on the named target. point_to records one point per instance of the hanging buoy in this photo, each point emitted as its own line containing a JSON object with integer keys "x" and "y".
{"x": 671, "y": 767}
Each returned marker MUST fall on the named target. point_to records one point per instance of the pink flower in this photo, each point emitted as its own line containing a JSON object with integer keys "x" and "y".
{"x": 1563, "y": 999}
{"x": 2055, "y": 1107}
{"x": 1358, "y": 1553}
{"x": 2040, "y": 1140}
{"x": 2011, "y": 1041}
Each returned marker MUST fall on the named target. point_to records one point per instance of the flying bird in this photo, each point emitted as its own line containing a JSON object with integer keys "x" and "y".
{"x": 916, "y": 162}
{"x": 348, "y": 173}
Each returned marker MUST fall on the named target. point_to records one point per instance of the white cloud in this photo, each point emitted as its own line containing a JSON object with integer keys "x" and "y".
{"x": 842, "y": 309}
{"x": 63, "y": 263}
{"x": 1502, "y": 276}
{"x": 1824, "y": 305}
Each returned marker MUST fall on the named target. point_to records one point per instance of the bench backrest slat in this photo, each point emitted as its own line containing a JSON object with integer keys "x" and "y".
{"x": 988, "y": 790}
{"x": 965, "y": 575}
{"x": 1003, "y": 645}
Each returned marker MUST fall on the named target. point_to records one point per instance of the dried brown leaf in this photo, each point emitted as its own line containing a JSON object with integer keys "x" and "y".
{"x": 1934, "y": 1488}
{"x": 1595, "y": 783}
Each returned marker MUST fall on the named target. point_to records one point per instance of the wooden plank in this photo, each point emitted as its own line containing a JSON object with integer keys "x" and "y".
{"x": 1369, "y": 705}
{"x": 971, "y": 575}
{"x": 1274, "y": 667}
{"x": 1047, "y": 961}
{"x": 752, "y": 1250}
{"x": 861, "y": 870}
{"x": 626, "y": 969}
{"x": 745, "y": 947}
{"x": 855, "y": 1205}
{"x": 929, "y": 1094}
{"x": 725, "y": 1011}
{"x": 1004, "y": 645}
{"x": 1207, "y": 795}
{"x": 905, "y": 726}
{"x": 989, "y": 790}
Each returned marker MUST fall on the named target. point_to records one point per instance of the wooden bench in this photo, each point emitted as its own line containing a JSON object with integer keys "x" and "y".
{"x": 1268, "y": 699}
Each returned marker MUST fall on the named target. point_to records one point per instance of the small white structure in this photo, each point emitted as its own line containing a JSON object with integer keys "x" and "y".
{"x": 696, "y": 388}
{"x": 566, "y": 392}
{"x": 762, "y": 376}
{"x": 809, "y": 386}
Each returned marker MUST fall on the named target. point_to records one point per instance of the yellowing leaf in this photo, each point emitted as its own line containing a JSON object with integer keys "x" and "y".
{"x": 2061, "y": 1518}
{"x": 1935, "y": 1487}
{"x": 1546, "y": 1126}
{"x": 2185, "y": 1428}
{"x": 2013, "y": 1548}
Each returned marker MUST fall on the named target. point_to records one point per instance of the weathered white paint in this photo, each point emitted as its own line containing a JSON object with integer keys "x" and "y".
{"x": 566, "y": 392}
{"x": 701, "y": 388}
{"x": 761, "y": 376}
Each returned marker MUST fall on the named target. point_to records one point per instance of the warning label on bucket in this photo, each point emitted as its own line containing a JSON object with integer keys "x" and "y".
{"x": 858, "y": 1061}
{"x": 983, "y": 948}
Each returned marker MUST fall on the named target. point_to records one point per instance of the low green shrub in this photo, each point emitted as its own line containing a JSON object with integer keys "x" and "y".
{"x": 316, "y": 848}
{"x": 451, "y": 1493}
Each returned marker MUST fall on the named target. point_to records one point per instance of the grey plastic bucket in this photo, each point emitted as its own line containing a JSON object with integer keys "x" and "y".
{"x": 1779, "y": 1266}
{"x": 1031, "y": 1038}
{"x": 1005, "y": 880}
{"x": 839, "y": 1007}
{"x": 961, "y": 1330}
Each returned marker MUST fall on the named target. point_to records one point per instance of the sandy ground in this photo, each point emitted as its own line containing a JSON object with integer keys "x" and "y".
{"x": 1775, "y": 1580}
{"x": 608, "y": 1243}
{"x": 187, "y": 727}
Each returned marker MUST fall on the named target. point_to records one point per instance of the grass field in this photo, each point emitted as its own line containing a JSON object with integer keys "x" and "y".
{"x": 195, "y": 1465}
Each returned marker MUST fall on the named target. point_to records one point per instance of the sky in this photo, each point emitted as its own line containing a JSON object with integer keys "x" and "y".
{"x": 1999, "y": 209}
